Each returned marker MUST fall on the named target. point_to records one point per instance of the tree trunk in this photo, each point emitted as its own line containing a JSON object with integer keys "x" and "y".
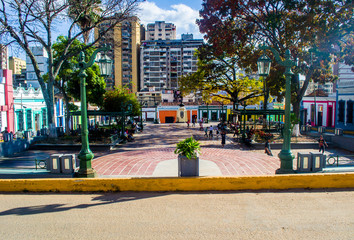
{"x": 67, "y": 115}
{"x": 296, "y": 111}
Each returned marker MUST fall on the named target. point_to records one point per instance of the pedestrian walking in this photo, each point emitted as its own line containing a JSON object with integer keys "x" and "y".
{"x": 267, "y": 149}
{"x": 211, "y": 131}
{"x": 223, "y": 137}
{"x": 193, "y": 121}
{"x": 188, "y": 123}
{"x": 206, "y": 132}
{"x": 217, "y": 133}
{"x": 322, "y": 143}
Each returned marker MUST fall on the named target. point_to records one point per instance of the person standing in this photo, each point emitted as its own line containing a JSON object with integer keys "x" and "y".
{"x": 322, "y": 143}
{"x": 211, "y": 132}
{"x": 267, "y": 149}
{"x": 223, "y": 137}
{"x": 188, "y": 123}
{"x": 206, "y": 132}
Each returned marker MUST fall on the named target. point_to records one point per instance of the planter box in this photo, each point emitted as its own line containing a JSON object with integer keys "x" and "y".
{"x": 188, "y": 167}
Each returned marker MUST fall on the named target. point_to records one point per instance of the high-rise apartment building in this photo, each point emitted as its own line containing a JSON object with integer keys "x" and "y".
{"x": 125, "y": 40}
{"x": 163, "y": 62}
{"x": 160, "y": 31}
{"x": 16, "y": 65}
{"x": 41, "y": 57}
{"x": 3, "y": 57}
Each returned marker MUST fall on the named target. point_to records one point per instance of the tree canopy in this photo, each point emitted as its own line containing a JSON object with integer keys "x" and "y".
{"x": 68, "y": 79}
{"x": 119, "y": 99}
{"x": 33, "y": 23}
{"x": 314, "y": 32}
{"x": 218, "y": 78}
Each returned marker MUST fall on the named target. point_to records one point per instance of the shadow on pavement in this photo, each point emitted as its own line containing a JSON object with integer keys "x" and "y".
{"x": 119, "y": 197}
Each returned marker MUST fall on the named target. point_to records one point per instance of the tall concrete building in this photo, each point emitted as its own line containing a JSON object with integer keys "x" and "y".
{"x": 41, "y": 56}
{"x": 4, "y": 55}
{"x": 18, "y": 67}
{"x": 163, "y": 62}
{"x": 125, "y": 39}
{"x": 345, "y": 97}
{"x": 160, "y": 31}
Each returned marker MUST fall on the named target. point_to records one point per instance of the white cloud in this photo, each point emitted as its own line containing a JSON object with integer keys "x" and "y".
{"x": 183, "y": 16}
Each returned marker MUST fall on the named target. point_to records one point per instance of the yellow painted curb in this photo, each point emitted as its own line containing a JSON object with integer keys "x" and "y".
{"x": 338, "y": 180}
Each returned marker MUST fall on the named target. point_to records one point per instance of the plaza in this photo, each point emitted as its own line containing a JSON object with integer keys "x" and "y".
{"x": 152, "y": 155}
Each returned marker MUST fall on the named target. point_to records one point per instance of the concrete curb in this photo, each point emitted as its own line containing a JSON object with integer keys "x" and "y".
{"x": 296, "y": 181}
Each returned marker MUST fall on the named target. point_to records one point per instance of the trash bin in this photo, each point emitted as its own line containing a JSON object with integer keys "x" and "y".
{"x": 310, "y": 162}
{"x": 338, "y": 131}
{"x": 54, "y": 163}
{"x": 304, "y": 163}
{"x": 321, "y": 129}
{"x": 318, "y": 162}
{"x": 67, "y": 163}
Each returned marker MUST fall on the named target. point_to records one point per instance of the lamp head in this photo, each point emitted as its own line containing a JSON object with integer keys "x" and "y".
{"x": 264, "y": 63}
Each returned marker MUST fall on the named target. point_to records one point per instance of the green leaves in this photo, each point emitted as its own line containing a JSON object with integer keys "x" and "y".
{"x": 218, "y": 78}
{"x": 118, "y": 100}
{"x": 188, "y": 147}
{"x": 68, "y": 76}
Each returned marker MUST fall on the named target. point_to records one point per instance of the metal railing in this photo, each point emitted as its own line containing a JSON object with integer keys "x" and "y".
{"x": 340, "y": 160}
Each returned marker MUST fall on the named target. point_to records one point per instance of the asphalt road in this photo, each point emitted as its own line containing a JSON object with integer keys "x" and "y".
{"x": 302, "y": 214}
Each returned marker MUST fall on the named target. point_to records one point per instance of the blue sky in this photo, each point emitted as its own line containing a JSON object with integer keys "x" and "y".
{"x": 182, "y": 13}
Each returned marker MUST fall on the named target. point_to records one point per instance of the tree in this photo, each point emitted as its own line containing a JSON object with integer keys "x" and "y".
{"x": 32, "y": 22}
{"x": 311, "y": 30}
{"x": 119, "y": 99}
{"x": 68, "y": 80}
{"x": 218, "y": 77}
{"x": 85, "y": 13}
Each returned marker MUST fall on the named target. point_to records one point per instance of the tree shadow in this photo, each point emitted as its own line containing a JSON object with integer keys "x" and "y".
{"x": 104, "y": 199}
{"x": 120, "y": 197}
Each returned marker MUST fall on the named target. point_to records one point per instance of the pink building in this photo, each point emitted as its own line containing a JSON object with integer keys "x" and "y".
{"x": 6, "y": 101}
{"x": 320, "y": 110}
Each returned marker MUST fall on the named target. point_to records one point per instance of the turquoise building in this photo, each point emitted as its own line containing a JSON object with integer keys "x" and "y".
{"x": 30, "y": 109}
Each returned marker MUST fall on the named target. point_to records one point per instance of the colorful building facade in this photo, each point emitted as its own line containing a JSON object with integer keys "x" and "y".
{"x": 30, "y": 109}
{"x": 6, "y": 101}
{"x": 320, "y": 111}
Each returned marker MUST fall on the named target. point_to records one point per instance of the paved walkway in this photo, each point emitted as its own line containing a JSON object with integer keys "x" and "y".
{"x": 151, "y": 155}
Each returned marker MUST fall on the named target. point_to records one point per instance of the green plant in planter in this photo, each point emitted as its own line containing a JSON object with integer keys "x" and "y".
{"x": 188, "y": 147}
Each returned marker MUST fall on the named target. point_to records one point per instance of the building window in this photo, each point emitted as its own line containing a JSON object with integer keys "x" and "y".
{"x": 44, "y": 117}
{"x": 20, "y": 120}
{"x": 341, "y": 111}
{"x": 350, "y": 112}
{"x": 29, "y": 119}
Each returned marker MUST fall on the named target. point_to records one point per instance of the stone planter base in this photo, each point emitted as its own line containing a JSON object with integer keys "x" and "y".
{"x": 188, "y": 167}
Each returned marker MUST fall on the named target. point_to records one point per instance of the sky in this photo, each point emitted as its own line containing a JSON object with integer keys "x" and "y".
{"x": 182, "y": 13}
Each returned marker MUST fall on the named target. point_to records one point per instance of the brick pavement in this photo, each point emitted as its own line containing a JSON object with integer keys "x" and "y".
{"x": 157, "y": 143}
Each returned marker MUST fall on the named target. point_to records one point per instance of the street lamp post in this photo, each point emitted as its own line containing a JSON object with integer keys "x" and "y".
{"x": 156, "y": 121}
{"x": 244, "y": 121}
{"x": 264, "y": 62}
{"x": 85, "y": 156}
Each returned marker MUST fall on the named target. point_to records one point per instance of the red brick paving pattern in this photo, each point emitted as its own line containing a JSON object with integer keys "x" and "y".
{"x": 143, "y": 162}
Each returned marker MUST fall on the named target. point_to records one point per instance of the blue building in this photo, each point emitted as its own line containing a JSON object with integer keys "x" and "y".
{"x": 30, "y": 109}
{"x": 345, "y": 98}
